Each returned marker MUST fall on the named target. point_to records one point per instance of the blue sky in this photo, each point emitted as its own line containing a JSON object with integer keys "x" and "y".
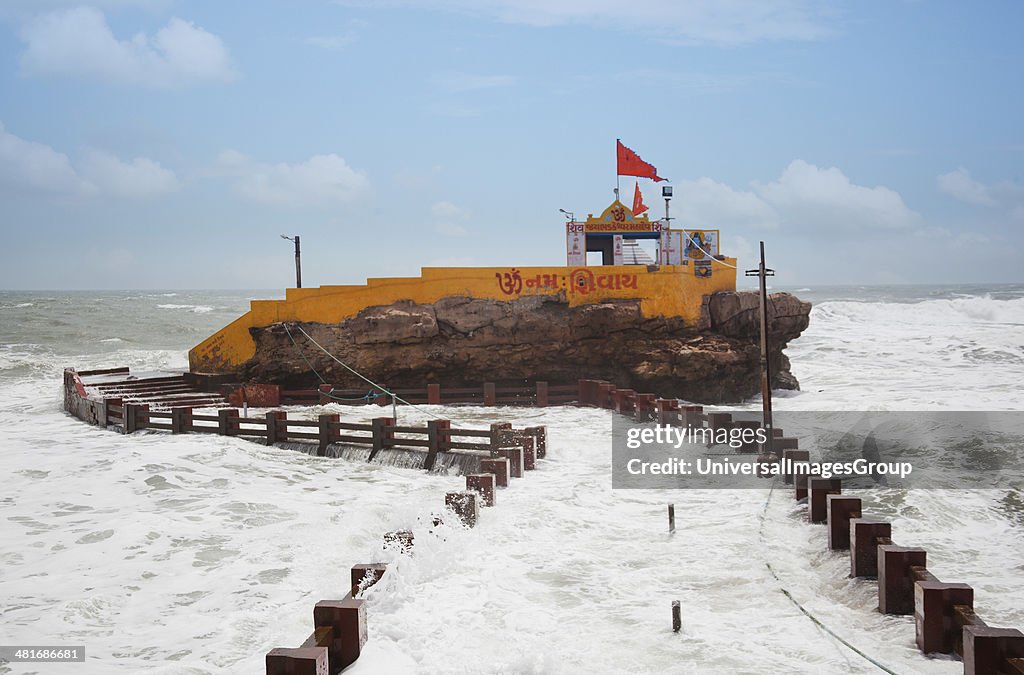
{"x": 167, "y": 143}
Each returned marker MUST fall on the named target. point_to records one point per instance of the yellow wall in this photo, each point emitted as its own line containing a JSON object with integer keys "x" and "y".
{"x": 668, "y": 291}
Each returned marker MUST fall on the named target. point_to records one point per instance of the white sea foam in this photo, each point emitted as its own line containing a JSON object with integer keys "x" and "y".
{"x": 197, "y": 554}
{"x": 198, "y": 309}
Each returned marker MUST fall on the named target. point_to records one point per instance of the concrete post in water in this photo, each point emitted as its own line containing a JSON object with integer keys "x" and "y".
{"x": 482, "y": 483}
{"x": 624, "y": 400}
{"x": 671, "y": 518}
{"x": 403, "y": 539}
{"x": 515, "y": 461}
{"x": 840, "y": 510}
{"x": 325, "y": 433}
{"x": 719, "y": 421}
{"x": 490, "y": 396}
{"x": 937, "y": 630}
{"x": 275, "y": 430}
{"x": 131, "y": 417}
{"x": 605, "y": 393}
{"x": 301, "y": 661}
{"x": 800, "y": 493}
{"x": 325, "y": 391}
{"x": 677, "y": 618}
{"x": 498, "y": 435}
{"x": 348, "y": 619}
{"x": 109, "y": 415}
{"x": 896, "y": 578}
{"x": 499, "y": 466}
{"x": 366, "y": 575}
{"x": 666, "y": 411}
{"x": 582, "y": 393}
{"x": 864, "y": 536}
{"x": 791, "y": 457}
{"x": 820, "y": 488}
{"x": 438, "y": 441}
{"x": 542, "y": 394}
{"x": 227, "y": 421}
{"x": 529, "y": 452}
{"x": 434, "y": 394}
{"x": 693, "y": 416}
{"x": 749, "y": 428}
{"x": 987, "y": 649}
{"x": 540, "y": 440}
{"x": 382, "y": 438}
{"x": 464, "y": 505}
{"x": 178, "y": 420}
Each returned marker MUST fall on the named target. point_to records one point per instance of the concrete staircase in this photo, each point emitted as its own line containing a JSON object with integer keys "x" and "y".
{"x": 158, "y": 390}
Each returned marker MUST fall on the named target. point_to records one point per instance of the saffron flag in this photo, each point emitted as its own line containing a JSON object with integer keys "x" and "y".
{"x": 630, "y": 164}
{"x": 638, "y": 201}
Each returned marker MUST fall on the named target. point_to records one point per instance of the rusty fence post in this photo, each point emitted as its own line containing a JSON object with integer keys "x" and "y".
{"x": 227, "y": 421}
{"x": 840, "y": 510}
{"x": 542, "y": 394}
{"x": 464, "y": 505}
{"x": 438, "y": 441}
{"x": 382, "y": 437}
{"x": 490, "y": 395}
{"x": 482, "y": 483}
{"x": 348, "y": 620}
{"x": 896, "y": 577}
{"x": 326, "y": 433}
{"x": 366, "y": 575}
{"x": 499, "y": 466}
{"x": 434, "y": 394}
{"x": 865, "y": 535}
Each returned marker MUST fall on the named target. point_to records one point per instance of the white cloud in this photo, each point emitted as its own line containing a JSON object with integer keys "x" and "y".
{"x": 445, "y": 213}
{"x": 319, "y": 179}
{"x": 444, "y": 209}
{"x": 710, "y": 203}
{"x": 722, "y": 22}
{"x": 960, "y": 185}
{"x": 141, "y": 177}
{"x": 78, "y": 42}
{"x": 805, "y": 197}
{"x": 338, "y": 40}
{"x": 1006, "y": 196}
{"x": 26, "y": 165}
{"x": 330, "y": 42}
{"x": 457, "y": 82}
{"x": 811, "y": 197}
{"x": 451, "y": 230}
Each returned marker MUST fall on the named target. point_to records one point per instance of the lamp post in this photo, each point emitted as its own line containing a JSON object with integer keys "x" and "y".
{"x": 569, "y": 215}
{"x": 298, "y": 259}
{"x": 666, "y": 192}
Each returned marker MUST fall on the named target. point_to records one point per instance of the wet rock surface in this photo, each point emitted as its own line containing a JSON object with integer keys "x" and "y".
{"x": 461, "y": 341}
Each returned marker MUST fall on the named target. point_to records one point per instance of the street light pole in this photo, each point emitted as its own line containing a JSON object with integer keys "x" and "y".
{"x": 298, "y": 259}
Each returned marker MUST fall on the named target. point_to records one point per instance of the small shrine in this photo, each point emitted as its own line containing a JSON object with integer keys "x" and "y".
{"x": 616, "y": 235}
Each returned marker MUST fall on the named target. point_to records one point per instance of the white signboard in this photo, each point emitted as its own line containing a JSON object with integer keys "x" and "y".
{"x": 700, "y": 244}
{"x": 671, "y": 247}
{"x": 617, "y": 258}
{"x": 575, "y": 245}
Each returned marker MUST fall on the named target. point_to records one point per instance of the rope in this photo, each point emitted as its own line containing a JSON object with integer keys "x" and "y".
{"x": 330, "y": 394}
{"x": 353, "y": 371}
{"x": 815, "y": 620}
{"x": 720, "y": 262}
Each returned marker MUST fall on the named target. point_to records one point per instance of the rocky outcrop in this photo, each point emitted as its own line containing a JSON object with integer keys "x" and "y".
{"x": 461, "y": 341}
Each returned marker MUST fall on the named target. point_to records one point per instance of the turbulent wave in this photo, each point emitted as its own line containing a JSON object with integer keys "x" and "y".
{"x": 198, "y": 554}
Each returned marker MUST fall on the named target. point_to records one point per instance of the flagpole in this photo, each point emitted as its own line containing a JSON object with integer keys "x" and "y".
{"x": 617, "y": 141}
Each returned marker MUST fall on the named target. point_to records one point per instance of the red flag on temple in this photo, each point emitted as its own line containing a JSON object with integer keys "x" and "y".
{"x": 630, "y": 164}
{"x": 638, "y": 201}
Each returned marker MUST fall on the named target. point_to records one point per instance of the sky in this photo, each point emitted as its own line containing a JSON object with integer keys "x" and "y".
{"x": 167, "y": 144}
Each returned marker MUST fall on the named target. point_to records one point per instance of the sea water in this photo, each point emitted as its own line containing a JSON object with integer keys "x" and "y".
{"x": 198, "y": 554}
